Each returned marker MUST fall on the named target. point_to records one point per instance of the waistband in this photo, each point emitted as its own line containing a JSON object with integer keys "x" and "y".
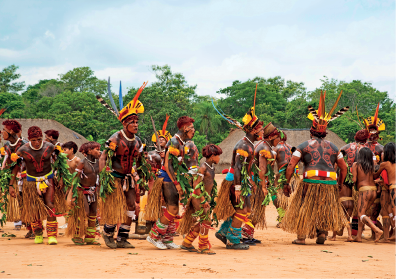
{"x": 328, "y": 182}
{"x": 346, "y": 199}
{"x": 40, "y": 178}
{"x": 312, "y": 173}
{"x": 367, "y": 188}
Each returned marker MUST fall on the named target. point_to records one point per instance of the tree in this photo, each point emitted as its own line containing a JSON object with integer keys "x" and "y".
{"x": 82, "y": 79}
{"x": 207, "y": 121}
{"x": 7, "y": 76}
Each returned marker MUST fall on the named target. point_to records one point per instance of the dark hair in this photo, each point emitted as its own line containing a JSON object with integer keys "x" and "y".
{"x": 317, "y": 134}
{"x": 389, "y": 152}
{"x": 71, "y": 145}
{"x": 365, "y": 160}
{"x": 131, "y": 117}
{"x": 13, "y": 125}
{"x": 211, "y": 150}
{"x": 34, "y": 132}
{"x": 184, "y": 120}
{"x": 361, "y": 136}
{"x": 52, "y": 133}
{"x": 88, "y": 146}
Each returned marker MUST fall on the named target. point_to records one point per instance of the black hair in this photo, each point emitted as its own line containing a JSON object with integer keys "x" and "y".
{"x": 365, "y": 160}
{"x": 389, "y": 152}
{"x": 318, "y": 134}
{"x": 70, "y": 145}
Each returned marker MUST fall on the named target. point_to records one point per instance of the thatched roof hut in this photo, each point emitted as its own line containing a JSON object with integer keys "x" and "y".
{"x": 65, "y": 134}
{"x": 294, "y": 138}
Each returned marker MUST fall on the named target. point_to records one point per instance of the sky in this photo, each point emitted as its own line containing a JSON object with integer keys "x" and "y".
{"x": 212, "y": 43}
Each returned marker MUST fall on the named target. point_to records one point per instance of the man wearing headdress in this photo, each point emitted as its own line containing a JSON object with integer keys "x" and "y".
{"x": 315, "y": 208}
{"x": 375, "y": 126}
{"x": 174, "y": 187}
{"x": 38, "y": 187}
{"x": 11, "y": 129}
{"x": 233, "y": 204}
{"x": 119, "y": 177}
{"x": 347, "y": 200}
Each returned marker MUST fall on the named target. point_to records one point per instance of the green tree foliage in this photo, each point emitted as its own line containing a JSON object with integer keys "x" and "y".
{"x": 7, "y": 76}
{"x": 82, "y": 79}
{"x": 71, "y": 101}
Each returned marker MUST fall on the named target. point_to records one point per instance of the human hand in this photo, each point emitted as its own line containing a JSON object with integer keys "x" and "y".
{"x": 206, "y": 205}
{"x": 286, "y": 190}
{"x": 12, "y": 191}
{"x": 237, "y": 196}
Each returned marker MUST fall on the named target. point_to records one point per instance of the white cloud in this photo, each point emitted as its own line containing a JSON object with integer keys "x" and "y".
{"x": 216, "y": 42}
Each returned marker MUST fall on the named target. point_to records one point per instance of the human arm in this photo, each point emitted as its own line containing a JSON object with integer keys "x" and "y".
{"x": 102, "y": 160}
{"x": 262, "y": 172}
{"x": 354, "y": 172}
{"x": 343, "y": 169}
{"x": 171, "y": 173}
{"x": 289, "y": 172}
{"x": 381, "y": 168}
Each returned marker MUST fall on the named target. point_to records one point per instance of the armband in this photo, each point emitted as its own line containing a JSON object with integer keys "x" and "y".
{"x": 141, "y": 149}
{"x": 201, "y": 175}
{"x": 374, "y": 158}
{"x": 340, "y": 156}
{"x": 238, "y": 187}
{"x": 297, "y": 154}
{"x": 273, "y": 153}
{"x": 176, "y": 183}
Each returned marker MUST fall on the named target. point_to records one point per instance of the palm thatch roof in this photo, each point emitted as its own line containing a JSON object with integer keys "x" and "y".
{"x": 65, "y": 134}
{"x": 294, "y": 137}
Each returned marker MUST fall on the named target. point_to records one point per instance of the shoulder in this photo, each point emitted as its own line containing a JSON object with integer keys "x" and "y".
{"x": 115, "y": 137}
{"x": 48, "y": 145}
{"x": 303, "y": 145}
{"x": 190, "y": 144}
{"x": 332, "y": 145}
{"x": 345, "y": 147}
{"x": 138, "y": 140}
{"x": 173, "y": 141}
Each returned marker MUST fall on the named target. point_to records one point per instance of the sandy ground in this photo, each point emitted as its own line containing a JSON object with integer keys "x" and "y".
{"x": 276, "y": 257}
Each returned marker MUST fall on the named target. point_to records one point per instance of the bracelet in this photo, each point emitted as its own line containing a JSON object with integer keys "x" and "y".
{"x": 238, "y": 187}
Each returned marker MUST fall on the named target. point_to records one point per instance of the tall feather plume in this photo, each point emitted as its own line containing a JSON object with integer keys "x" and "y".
{"x": 357, "y": 113}
{"x": 226, "y": 117}
{"x": 339, "y": 113}
{"x": 111, "y": 97}
{"x": 335, "y": 105}
{"x": 254, "y": 102}
{"x": 139, "y": 92}
{"x": 165, "y": 124}
{"x": 376, "y": 114}
{"x": 2, "y": 111}
{"x": 313, "y": 112}
{"x": 320, "y": 104}
{"x": 106, "y": 105}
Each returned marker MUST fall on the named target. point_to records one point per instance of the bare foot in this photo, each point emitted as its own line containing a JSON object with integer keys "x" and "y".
{"x": 349, "y": 239}
{"x": 299, "y": 241}
{"x": 392, "y": 237}
{"x": 385, "y": 240}
{"x": 357, "y": 239}
{"x": 332, "y": 238}
{"x": 378, "y": 235}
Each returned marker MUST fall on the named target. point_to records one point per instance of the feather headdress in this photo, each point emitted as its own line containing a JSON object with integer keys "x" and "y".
{"x": 320, "y": 119}
{"x": 250, "y": 121}
{"x": 373, "y": 123}
{"x": 133, "y": 107}
{"x": 163, "y": 133}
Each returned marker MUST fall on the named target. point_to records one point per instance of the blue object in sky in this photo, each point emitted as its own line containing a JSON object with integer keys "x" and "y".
{"x": 120, "y": 97}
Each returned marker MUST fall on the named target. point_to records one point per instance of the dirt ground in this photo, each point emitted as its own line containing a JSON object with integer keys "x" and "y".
{"x": 276, "y": 257}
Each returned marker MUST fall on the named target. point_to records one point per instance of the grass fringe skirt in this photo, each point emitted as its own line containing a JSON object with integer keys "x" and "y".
{"x": 13, "y": 206}
{"x": 77, "y": 223}
{"x": 355, "y": 196}
{"x": 318, "y": 209}
{"x": 224, "y": 208}
{"x": 113, "y": 208}
{"x": 33, "y": 208}
{"x": 258, "y": 210}
{"x": 153, "y": 207}
{"x": 187, "y": 221}
{"x": 60, "y": 201}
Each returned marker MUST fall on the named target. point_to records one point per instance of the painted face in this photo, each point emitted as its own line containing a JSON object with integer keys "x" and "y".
{"x": 36, "y": 142}
{"x": 68, "y": 151}
{"x": 259, "y": 135}
{"x": 216, "y": 159}
{"x": 95, "y": 152}
{"x": 189, "y": 130}
{"x": 162, "y": 142}
{"x": 132, "y": 126}
{"x": 6, "y": 133}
